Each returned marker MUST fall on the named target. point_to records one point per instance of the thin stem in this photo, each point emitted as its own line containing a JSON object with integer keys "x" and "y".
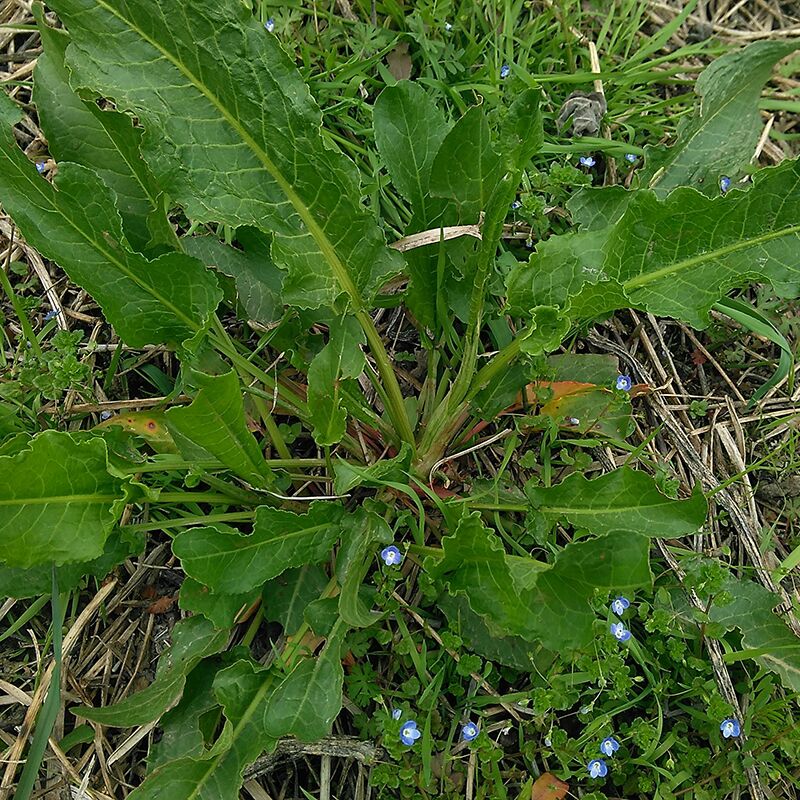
{"x": 204, "y": 519}
{"x": 395, "y": 406}
{"x": 25, "y": 323}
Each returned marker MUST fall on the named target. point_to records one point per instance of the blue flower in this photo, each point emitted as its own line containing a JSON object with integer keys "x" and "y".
{"x": 448, "y": 27}
{"x": 620, "y": 632}
{"x": 270, "y": 25}
{"x": 104, "y": 415}
{"x": 609, "y": 746}
{"x": 469, "y": 731}
{"x": 597, "y": 768}
{"x": 40, "y": 167}
{"x": 724, "y": 184}
{"x": 730, "y": 727}
{"x": 619, "y": 605}
{"x": 409, "y": 733}
{"x": 515, "y": 205}
{"x": 505, "y": 71}
{"x": 50, "y": 315}
{"x": 630, "y": 157}
{"x": 587, "y": 161}
{"x": 391, "y": 556}
{"x": 624, "y": 383}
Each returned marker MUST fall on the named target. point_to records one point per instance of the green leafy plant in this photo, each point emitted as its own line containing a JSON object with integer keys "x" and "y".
{"x": 195, "y": 109}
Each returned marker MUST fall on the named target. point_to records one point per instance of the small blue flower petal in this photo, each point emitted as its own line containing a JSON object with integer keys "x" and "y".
{"x": 724, "y": 184}
{"x": 409, "y": 733}
{"x": 619, "y": 604}
{"x": 391, "y": 556}
{"x": 50, "y": 315}
{"x": 397, "y": 713}
{"x": 448, "y": 27}
{"x": 270, "y": 25}
{"x": 469, "y": 731}
{"x": 609, "y": 746}
{"x": 624, "y": 383}
{"x": 620, "y": 632}
{"x": 104, "y": 415}
{"x": 597, "y": 768}
{"x": 505, "y": 71}
{"x": 515, "y": 205}
{"x": 587, "y": 161}
{"x": 40, "y": 167}
{"x": 630, "y": 158}
{"x": 730, "y": 727}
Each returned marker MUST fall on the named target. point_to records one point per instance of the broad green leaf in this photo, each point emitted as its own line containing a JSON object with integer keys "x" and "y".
{"x": 181, "y": 732}
{"x": 216, "y": 422}
{"x": 409, "y": 127}
{"x": 58, "y": 502}
{"x": 560, "y": 601}
{"x": 38, "y": 579}
{"x": 286, "y": 597}
{"x": 547, "y": 329}
{"x": 75, "y": 224}
{"x": 308, "y": 700}
{"x": 104, "y": 141}
{"x": 679, "y": 256}
{"x": 673, "y": 257}
{"x": 522, "y": 131}
{"x": 193, "y": 639}
{"x": 221, "y": 609}
{"x": 523, "y": 597}
{"x": 366, "y": 534}
{"x": 624, "y": 500}
{"x": 596, "y": 207}
{"x": 721, "y": 137}
{"x": 592, "y": 409}
{"x": 467, "y": 167}
{"x": 349, "y": 475}
{"x": 511, "y": 651}
{"x": 235, "y": 563}
{"x": 258, "y": 280}
{"x": 765, "y": 636}
{"x": 558, "y": 269}
{"x": 233, "y": 134}
{"x": 584, "y": 367}
{"x": 341, "y": 359}
{"x": 216, "y": 774}
{"x": 10, "y": 112}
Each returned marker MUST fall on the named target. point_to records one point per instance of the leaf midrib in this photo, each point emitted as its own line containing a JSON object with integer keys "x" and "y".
{"x": 327, "y": 249}
{"x": 62, "y": 499}
{"x": 94, "y": 243}
{"x": 651, "y": 277}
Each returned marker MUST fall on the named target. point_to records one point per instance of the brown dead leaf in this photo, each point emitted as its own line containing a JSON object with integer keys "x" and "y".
{"x": 162, "y": 605}
{"x": 548, "y": 787}
{"x": 399, "y": 62}
{"x": 698, "y": 358}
